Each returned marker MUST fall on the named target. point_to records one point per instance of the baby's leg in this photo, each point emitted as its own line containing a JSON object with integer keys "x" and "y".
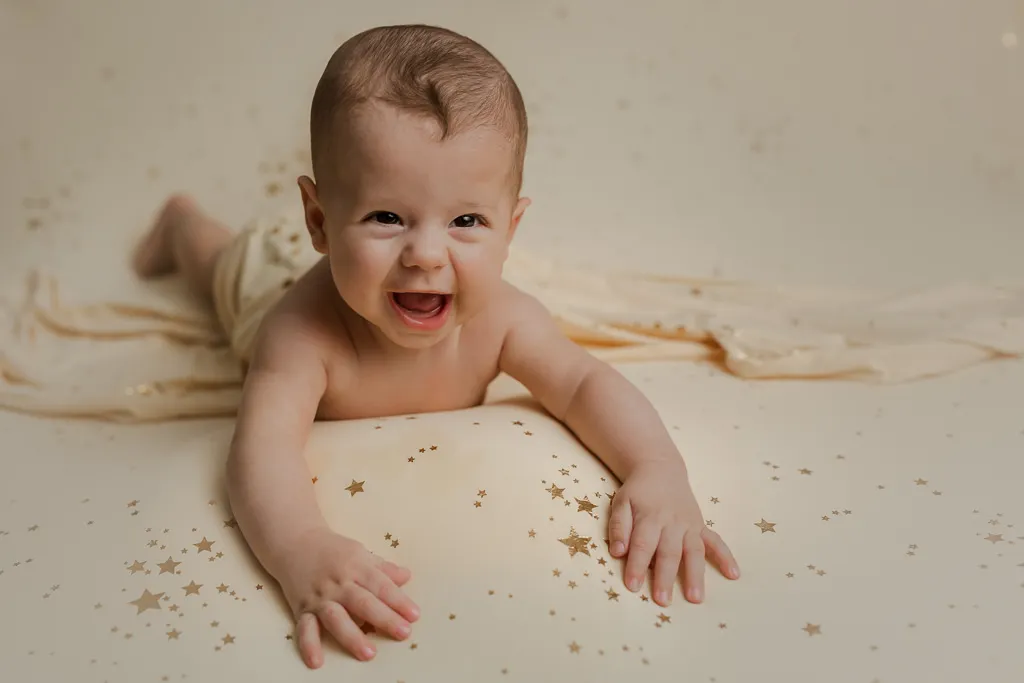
{"x": 183, "y": 239}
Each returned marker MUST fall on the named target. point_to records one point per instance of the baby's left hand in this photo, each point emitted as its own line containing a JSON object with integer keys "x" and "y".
{"x": 656, "y": 517}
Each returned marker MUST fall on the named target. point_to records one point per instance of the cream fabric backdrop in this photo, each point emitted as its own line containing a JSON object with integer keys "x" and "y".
{"x": 840, "y": 144}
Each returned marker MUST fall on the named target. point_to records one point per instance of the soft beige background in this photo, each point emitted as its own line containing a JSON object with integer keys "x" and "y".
{"x": 800, "y": 141}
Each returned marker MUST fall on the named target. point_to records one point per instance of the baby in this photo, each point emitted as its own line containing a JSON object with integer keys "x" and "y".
{"x": 418, "y": 138}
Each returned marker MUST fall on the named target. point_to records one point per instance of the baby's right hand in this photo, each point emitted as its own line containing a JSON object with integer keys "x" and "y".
{"x": 337, "y": 582}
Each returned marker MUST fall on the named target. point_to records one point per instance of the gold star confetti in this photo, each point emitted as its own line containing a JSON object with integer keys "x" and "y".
{"x": 481, "y": 493}
{"x": 555, "y": 573}
{"x": 812, "y": 629}
{"x": 412, "y": 459}
{"x": 532, "y": 533}
{"x": 147, "y": 601}
{"x": 223, "y": 588}
{"x": 451, "y": 617}
{"x": 576, "y": 543}
{"x": 585, "y": 506}
{"x": 714, "y": 500}
{"x": 228, "y": 639}
{"x": 994, "y": 538}
{"x": 664, "y": 618}
{"x": 477, "y": 503}
{"x": 921, "y": 482}
{"x": 169, "y": 566}
{"x": 316, "y": 479}
{"x": 394, "y": 543}
{"x": 572, "y": 584}
{"x": 574, "y": 647}
{"x": 612, "y": 595}
{"x": 137, "y": 567}
{"x": 204, "y": 545}
{"x": 355, "y": 487}
{"x": 173, "y": 634}
{"x": 765, "y": 526}
{"x": 804, "y": 470}
{"x": 387, "y": 537}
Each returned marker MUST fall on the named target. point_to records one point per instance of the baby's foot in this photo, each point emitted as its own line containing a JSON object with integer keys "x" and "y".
{"x": 155, "y": 253}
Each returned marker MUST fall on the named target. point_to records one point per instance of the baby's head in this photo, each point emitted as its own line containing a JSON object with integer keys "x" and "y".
{"x": 418, "y": 137}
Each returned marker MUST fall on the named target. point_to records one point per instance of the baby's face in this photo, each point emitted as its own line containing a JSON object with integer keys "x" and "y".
{"x": 417, "y": 230}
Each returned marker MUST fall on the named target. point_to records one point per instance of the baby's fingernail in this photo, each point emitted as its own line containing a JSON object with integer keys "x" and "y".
{"x": 695, "y": 594}
{"x": 368, "y": 652}
{"x": 403, "y": 630}
{"x": 618, "y": 548}
{"x": 633, "y": 584}
{"x": 663, "y": 597}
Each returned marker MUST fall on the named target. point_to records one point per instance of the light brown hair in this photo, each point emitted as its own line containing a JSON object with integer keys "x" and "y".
{"x": 423, "y": 69}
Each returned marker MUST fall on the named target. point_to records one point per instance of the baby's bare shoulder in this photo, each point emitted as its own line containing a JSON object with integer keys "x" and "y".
{"x": 302, "y": 329}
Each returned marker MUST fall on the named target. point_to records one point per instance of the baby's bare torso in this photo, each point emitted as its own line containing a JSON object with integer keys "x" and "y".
{"x": 364, "y": 380}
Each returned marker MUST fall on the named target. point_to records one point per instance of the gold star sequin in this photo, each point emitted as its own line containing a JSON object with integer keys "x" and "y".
{"x": 481, "y": 493}
{"x": 223, "y": 588}
{"x": 147, "y": 601}
{"x": 137, "y": 567}
{"x": 812, "y": 629}
{"x": 612, "y": 595}
{"x": 555, "y": 573}
{"x": 228, "y": 639}
{"x": 532, "y": 533}
{"x": 765, "y": 526}
{"x": 204, "y": 545}
{"x": 664, "y": 618}
{"x": 173, "y": 634}
{"x": 168, "y": 566}
{"x": 387, "y": 536}
{"x": 477, "y": 503}
{"x": 585, "y": 506}
{"x": 355, "y": 487}
{"x": 574, "y": 647}
{"x": 576, "y": 543}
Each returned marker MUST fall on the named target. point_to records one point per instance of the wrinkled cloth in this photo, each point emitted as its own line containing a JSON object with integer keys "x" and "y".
{"x": 135, "y": 363}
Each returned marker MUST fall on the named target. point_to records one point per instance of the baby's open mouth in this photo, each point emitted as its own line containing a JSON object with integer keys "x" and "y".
{"x": 421, "y": 305}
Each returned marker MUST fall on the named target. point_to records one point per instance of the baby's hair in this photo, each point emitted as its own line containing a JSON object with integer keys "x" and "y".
{"x": 423, "y": 69}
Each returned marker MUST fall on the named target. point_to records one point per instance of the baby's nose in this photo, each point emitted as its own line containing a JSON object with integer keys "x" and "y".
{"x": 425, "y": 249}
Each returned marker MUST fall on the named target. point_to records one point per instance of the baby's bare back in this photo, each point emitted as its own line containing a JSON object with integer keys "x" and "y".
{"x": 365, "y": 378}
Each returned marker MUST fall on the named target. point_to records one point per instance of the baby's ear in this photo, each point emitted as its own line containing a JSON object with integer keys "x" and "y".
{"x": 517, "y": 215}
{"x": 314, "y": 214}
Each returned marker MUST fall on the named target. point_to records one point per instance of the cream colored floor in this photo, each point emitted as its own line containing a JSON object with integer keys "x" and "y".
{"x": 797, "y": 141}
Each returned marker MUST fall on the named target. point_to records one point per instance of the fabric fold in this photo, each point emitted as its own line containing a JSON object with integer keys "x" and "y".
{"x": 136, "y": 363}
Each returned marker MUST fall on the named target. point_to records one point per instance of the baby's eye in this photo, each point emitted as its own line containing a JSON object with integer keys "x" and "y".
{"x": 466, "y": 221}
{"x": 386, "y": 218}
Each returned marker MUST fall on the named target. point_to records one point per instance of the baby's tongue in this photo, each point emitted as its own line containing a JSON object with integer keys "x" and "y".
{"x": 419, "y": 302}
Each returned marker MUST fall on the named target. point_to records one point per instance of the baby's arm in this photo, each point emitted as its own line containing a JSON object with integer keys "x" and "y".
{"x": 326, "y": 578}
{"x": 654, "y": 514}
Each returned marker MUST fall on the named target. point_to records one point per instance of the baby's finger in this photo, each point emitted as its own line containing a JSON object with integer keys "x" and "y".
{"x": 620, "y": 527}
{"x": 400, "y": 575}
{"x": 363, "y": 603}
{"x": 349, "y": 636}
{"x": 693, "y": 567}
{"x": 667, "y": 559}
{"x": 381, "y": 585}
{"x": 720, "y": 554}
{"x": 641, "y": 549}
{"x": 310, "y": 649}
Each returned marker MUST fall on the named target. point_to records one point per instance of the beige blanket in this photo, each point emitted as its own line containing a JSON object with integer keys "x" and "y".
{"x": 126, "y": 362}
